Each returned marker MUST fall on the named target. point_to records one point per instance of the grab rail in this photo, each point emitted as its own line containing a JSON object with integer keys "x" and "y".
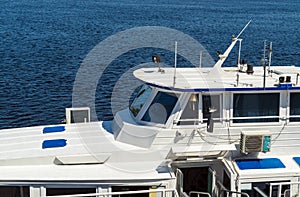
{"x": 234, "y": 192}
{"x": 229, "y": 192}
{"x": 200, "y": 193}
{"x": 290, "y": 192}
{"x": 109, "y": 194}
{"x": 260, "y": 192}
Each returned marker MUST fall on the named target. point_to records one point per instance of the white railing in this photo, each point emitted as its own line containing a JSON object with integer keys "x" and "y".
{"x": 292, "y": 190}
{"x": 199, "y": 194}
{"x": 163, "y": 192}
{"x": 222, "y": 189}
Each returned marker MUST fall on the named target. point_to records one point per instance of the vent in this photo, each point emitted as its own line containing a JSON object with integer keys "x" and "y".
{"x": 77, "y": 115}
{"x": 255, "y": 141}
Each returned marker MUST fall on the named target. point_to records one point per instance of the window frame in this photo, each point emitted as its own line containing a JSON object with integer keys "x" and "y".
{"x": 145, "y": 102}
{"x": 183, "y": 107}
{"x": 155, "y": 91}
{"x": 288, "y": 108}
{"x": 279, "y": 122}
{"x": 221, "y": 104}
{"x": 201, "y": 122}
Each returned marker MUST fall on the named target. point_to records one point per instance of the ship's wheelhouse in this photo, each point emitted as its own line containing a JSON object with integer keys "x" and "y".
{"x": 153, "y": 106}
{"x": 168, "y": 109}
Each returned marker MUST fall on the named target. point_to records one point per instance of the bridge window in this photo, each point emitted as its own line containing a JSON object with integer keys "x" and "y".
{"x": 253, "y": 107}
{"x": 140, "y": 100}
{"x": 211, "y": 107}
{"x": 294, "y": 107}
{"x": 190, "y": 114}
{"x": 161, "y": 108}
{"x": 69, "y": 191}
{"x": 264, "y": 189}
{"x": 131, "y": 189}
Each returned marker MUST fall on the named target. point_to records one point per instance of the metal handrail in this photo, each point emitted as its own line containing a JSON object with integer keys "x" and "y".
{"x": 234, "y": 192}
{"x": 183, "y": 194}
{"x": 108, "y": 194}
{"x": 179, "y": 180}
{"x": 253, "y": 117}
{"x": 260, "y": 192}
{"x": 199, "y": 193}
{"x": 280, "y": 184}
{"x": 224, "y": 189}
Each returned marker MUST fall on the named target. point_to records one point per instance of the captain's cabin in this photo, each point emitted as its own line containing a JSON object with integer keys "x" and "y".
{"x": 227, "y": 101}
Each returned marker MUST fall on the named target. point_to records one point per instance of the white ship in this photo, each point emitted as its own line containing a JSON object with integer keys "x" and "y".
{"x": 221, "y": 131}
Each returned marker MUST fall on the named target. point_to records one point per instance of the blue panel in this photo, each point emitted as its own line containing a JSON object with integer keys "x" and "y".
{"x": 54, "y": 143}
{"x": 286, "y": 86}
{"x": 53, "y": 129}
{"x": 269, "y": 163}
{"x": 297, "y": 160}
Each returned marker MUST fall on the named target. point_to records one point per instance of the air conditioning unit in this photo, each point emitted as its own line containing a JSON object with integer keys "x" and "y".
{"x": 77, "y": 115}
{"x": 255, "y": 141}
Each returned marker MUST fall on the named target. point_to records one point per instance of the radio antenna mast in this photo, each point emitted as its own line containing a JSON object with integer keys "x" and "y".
{"x": 223, "y": 57}
{"x": 175, "y": 64}
{"x": 270, "y": 56}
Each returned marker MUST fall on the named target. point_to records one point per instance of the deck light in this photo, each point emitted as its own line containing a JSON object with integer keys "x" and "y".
{"x": 156, "y": 59}
{"x": 193, "y": 98}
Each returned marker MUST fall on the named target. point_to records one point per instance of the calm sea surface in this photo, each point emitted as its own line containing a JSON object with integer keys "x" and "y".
{"x": 43, "y": 44}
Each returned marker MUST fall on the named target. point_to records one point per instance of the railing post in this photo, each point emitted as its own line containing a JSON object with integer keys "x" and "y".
{"x": 279, "y": 190}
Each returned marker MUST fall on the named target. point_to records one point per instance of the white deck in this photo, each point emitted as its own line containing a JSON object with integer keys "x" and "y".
{"x": 98, "y": 157}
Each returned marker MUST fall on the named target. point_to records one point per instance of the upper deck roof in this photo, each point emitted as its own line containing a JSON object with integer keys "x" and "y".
{"x": 88, "y": 153}
{"x": 224, "y": 79}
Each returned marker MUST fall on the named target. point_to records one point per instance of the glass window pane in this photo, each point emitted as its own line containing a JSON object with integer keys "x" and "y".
{"x": 252, "y": 105}
{"x": 211, "y": 107}
{"x": 140, "y": 100}
{"x": 294, "y": 106}
{"x": 190, "y": 114}
{"x": 69, "y": 191}
{"x": 160, "y": 108}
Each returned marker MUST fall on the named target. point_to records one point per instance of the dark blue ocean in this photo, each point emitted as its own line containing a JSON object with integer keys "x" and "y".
{"x": 43, "y": 44}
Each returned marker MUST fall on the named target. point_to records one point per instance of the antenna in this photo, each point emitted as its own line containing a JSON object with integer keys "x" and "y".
{"x": 244, "y": 29}
{"x": 228, "y": 50}
{"x": 264, "y": 64}
{"x": 200, "y": 60}
{"x": 175, "y": 64}
{"x": 239, "y": 55}
{"x": 270, "y": 56}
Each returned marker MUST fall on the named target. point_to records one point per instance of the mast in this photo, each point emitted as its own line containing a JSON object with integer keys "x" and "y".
{"x": 175, "y": 64}
{"x": 270, "y": 56}
{"x": 224, "y": 56}
{"x": 264, "y": 64}
{"x": 200, "y": 60}
{"x": 239, "y": 55}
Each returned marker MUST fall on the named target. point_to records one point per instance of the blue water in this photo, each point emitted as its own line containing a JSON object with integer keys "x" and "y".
{"x": 43, "y": 44}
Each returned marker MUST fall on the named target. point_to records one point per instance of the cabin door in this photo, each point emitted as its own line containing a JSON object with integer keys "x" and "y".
{"x": 199, "y": 179}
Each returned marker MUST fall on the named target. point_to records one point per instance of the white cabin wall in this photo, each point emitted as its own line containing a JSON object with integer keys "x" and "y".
{"x": 227, "y": 112}
{"x": 284, "y": 106}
